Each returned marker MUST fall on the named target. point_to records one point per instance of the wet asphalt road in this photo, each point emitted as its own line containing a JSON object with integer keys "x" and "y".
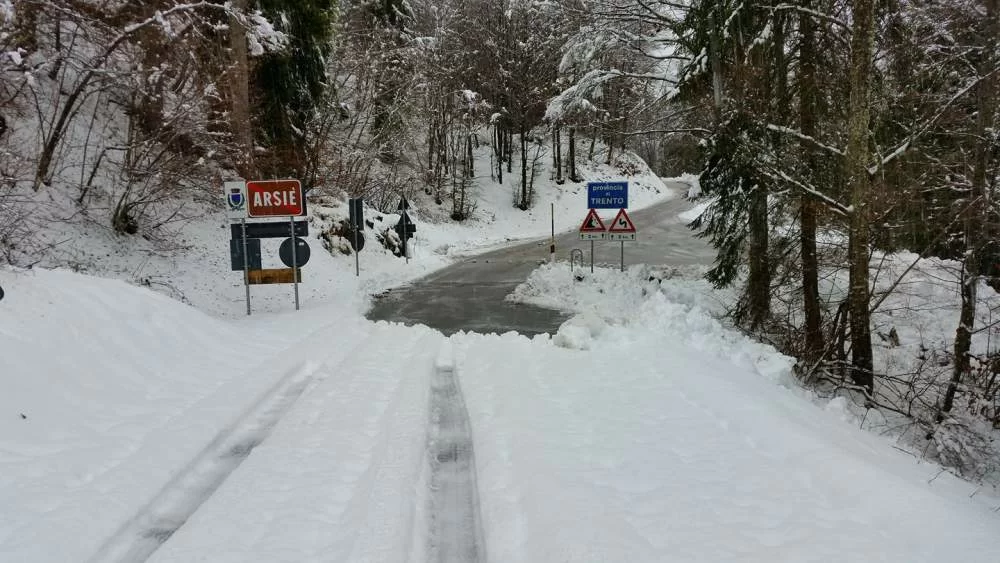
{"x": 469, "y": 295}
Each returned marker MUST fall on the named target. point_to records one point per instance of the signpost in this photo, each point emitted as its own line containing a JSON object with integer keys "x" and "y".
{"x": 294, "y": 256}
{"x": 592, "y": 229}
{"x": 274, "y": 275}
{"x": 622, "y": 229}
{"x": 405, "y": 227}
{"x": 356, "y": 217}
{"x": 607, "y": 195}
{"x": 259, "y": 199}
{"x": 236, "y": 199}
{"x": 270, "y": 229}
{"x": 275, "y": 198}
{"x": 236, "y": 258}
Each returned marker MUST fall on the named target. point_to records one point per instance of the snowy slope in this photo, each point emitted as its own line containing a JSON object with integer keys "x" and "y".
{"x": 111, "y": 391}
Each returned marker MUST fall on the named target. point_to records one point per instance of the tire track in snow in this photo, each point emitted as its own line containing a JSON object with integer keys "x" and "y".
{"x": 138, "y": 538}
{"x": 455, "y": 534}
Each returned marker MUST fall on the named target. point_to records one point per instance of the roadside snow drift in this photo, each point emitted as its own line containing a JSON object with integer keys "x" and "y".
{"x": 112, "y": 396}
{"x": 661, "y": 441}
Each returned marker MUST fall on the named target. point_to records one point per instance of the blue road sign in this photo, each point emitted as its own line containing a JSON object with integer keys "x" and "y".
{"x": 607, "y": 195}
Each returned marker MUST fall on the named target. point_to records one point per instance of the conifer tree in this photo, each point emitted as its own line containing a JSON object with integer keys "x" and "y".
{"x": 291, "y": 84}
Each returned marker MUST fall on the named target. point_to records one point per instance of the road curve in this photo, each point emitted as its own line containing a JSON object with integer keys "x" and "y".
{"x": 469, "y": 295}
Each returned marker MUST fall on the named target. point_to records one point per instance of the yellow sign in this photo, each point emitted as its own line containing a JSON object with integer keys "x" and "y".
{"x": 275, "y": 275}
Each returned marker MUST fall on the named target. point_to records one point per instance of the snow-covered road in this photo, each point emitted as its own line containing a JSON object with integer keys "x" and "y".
{"x": 644, "y": 431}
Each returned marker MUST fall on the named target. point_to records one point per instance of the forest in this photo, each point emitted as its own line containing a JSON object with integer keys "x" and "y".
{"x": 831, "y": 138}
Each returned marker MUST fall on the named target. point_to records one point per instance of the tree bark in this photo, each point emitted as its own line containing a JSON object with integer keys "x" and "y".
{"x": 558, "y": 152}
{"x": 759, "y": 279}
{"x": 498, "y": 149}
{"x": 757, "y": 93}
{"x": 571, "y": 160}
{"x": 240, "y": 94}
{"x": 856, "y": 163}
{"x": 715, "y": 56}
{"x": 975, "y": 220}
{"x": 807, "y": 207}
{"x": 524, "y": 169}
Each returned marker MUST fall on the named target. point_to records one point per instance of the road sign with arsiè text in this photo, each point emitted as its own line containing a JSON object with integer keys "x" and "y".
{"x": 275, "y": 198}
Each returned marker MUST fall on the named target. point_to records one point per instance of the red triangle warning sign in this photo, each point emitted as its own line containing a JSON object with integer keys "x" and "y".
{"x": 592, "y": 224}
{"x": 622, "y": 223}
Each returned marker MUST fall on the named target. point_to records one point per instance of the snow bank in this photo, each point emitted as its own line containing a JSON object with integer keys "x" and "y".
{"x": 660, "y": 441}
{"x": 110, "y": 393}
{"x": 639, "y": 301}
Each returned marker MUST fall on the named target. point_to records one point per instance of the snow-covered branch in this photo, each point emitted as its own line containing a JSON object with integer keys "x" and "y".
{"x": 833, "y": 204}
{"x": 798, "y": 135}
{"x": 668, "y": 131}
{"x": 906, "y": 144}
{"x": 261, "y": 34}
{"x": 814, "y": 13}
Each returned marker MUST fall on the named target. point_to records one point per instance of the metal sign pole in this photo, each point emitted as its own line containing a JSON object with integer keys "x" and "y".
{"x": 246, "y": 263}
{"x": 295, "y": 259}
{"x": 591, "y": 256}
{"x": 357, "y": 261}
{"x": 623, "y": 256}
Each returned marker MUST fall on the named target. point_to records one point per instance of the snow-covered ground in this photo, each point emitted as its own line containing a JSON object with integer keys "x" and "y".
{"x": 643, "y": 431}
{"x": 139, "y": 426}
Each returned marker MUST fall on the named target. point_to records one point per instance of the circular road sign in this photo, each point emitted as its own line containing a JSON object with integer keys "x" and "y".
{"x": 301, "y": 252}
{"x": 359, "y": 244}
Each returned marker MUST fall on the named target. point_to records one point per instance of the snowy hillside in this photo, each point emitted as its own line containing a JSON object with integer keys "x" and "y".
{"x": 189, "y": 260}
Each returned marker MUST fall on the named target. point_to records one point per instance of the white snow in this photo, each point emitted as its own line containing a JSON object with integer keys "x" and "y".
{"x": 644, "y": 430}
{"x": 696, "y": 211}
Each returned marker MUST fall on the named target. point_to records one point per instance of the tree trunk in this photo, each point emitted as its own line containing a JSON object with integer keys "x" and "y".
{"x": 757, "y": 93}
{"x": 431, "y": 134}
{"x": 524, "y": 169}
{"x": 807, "y": 207}
{"x": 856, "y": 161}
{"x": 240, "y": 94}
{"x": 759, "y": 279}
{"x": 57, "y": 63}
{"x": 509, "y": 143}
{"x": 558, "y": 152}
{"x": 571, "y": 163}
{"x": 974, "y": 221}
{"x": 498, "y": 150}
{"x": 470, "y": 161}
{"x": 26, "y": 26}
{"x": 715, "y": 56}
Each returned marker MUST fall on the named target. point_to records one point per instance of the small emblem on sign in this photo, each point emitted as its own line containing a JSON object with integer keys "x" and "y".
{"x": 236, "y": 199}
